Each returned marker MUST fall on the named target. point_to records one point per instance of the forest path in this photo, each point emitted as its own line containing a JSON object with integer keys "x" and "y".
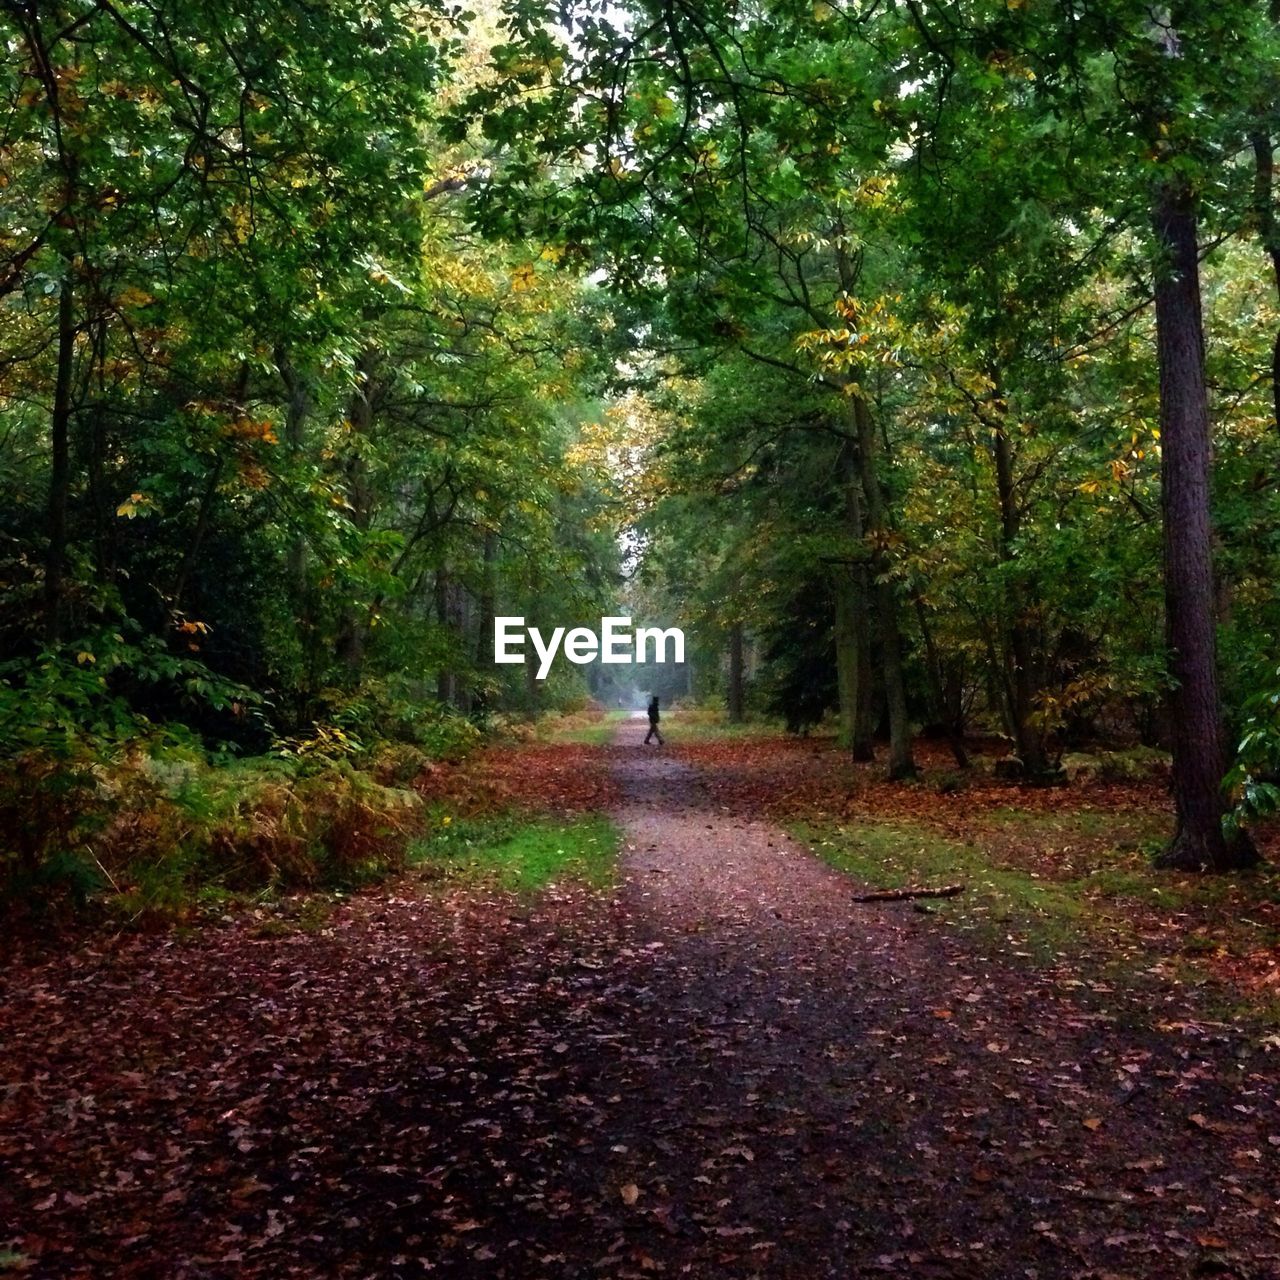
{"x": 726, "y": 1069}
{"x": 857, "y": 1092}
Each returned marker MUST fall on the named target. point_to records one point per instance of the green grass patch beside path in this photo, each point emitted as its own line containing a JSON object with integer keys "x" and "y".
{"x": 596, "y": 734}
{"x": 1109, "y": 913}
{"x": 520, "y": 854}
{"x": 1043, "y": 917}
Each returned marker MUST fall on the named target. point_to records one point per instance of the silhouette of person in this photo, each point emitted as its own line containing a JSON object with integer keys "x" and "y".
{"x": 654, "y": 717}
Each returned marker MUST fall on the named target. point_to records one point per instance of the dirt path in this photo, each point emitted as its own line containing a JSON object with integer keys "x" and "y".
{"x": 731, "y": 1070}
{"x": 911, "y": 1106}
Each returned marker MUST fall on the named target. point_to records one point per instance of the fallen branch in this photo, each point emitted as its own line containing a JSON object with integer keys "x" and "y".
{"x": 897, "y": 895}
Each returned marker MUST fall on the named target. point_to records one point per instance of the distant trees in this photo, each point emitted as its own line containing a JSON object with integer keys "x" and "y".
{"x": 276, "y": 431}
{"x": 955, "y": 327}
{"x": 977, "y": 230}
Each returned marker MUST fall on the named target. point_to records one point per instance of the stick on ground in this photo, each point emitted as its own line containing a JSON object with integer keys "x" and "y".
{"x": 898, "y": 895}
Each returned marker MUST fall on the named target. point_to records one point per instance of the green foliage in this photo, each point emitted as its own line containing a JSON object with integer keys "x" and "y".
{"x": 1254, "y": 779}
{"x": 519, "y": 855}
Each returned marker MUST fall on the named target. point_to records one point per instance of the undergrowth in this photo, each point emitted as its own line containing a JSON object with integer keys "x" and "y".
{"x": 153, "y": 836}
{"x": 592, "y": 726}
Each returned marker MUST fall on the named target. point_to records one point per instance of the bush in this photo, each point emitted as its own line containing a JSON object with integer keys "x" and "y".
{"x": 99, "y": 806}
{"x": 144, "y": 834}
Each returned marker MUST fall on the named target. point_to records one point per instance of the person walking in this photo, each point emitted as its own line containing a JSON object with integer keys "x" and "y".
{"x": 654, "y": 717}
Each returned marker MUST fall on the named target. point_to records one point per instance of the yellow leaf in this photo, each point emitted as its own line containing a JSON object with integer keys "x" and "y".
{"x": 129, "y": 507}
{"x": 84, "y": 656}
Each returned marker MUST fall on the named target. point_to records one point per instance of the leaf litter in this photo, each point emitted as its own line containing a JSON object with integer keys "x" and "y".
{"x": 725, "y": 1069}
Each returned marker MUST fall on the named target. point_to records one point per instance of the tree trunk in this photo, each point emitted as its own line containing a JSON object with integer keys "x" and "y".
{"x": 1022, "y": 690}
{"x": 60, "y": 467}
{"x": 847, "y": 660}
{"x": 1199, "y": 759}
{"x": 852, "y": 629}
{"x": 901, "y": 764}
{"x": 1269, "y": 233}
{"x": 737, "y": 699}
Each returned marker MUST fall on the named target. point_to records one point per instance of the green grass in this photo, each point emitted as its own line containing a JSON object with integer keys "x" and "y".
{"x": 521, "y": 855}
{"x": 678, "y": 728}
{"x": 1043, "y": 917}
{"x": 1115, "y": 919}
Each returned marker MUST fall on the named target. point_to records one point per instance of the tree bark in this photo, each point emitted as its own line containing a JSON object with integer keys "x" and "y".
{"x": 1199, "y": 758}
{"x": 852, "y": 626}
{"x": 737, "y": 663}
{"x": 901, "y": 763}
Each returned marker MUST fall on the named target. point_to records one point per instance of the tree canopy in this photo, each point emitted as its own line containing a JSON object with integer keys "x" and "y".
{"x": 921, "y": 360}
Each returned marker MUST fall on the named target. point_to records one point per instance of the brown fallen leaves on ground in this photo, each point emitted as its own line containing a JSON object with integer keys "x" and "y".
{"x": 539, "y": 777}
{"x": 726, "y": 1070}
{"x": 1056, "y": 834}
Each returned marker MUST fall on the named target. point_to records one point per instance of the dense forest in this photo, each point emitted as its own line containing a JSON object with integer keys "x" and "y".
{"x": 631, "y": 633}
{"x": 920, "y": 360}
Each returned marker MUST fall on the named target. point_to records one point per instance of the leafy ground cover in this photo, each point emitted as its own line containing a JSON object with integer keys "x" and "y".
{"x": 1058, "y": 873}
{"x": 532, "y": 776}
{"x": 722, "y": 1067}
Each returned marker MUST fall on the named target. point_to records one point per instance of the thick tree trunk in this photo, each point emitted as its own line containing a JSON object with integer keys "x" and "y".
{"x": 1199, "y": 759}
{"x": 901, "y": 763}
{"x": 60, "y": 467}
{"x": 737, "y": 705}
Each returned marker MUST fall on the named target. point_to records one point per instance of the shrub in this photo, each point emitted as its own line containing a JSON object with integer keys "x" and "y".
{"x": 144, "y": 835}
